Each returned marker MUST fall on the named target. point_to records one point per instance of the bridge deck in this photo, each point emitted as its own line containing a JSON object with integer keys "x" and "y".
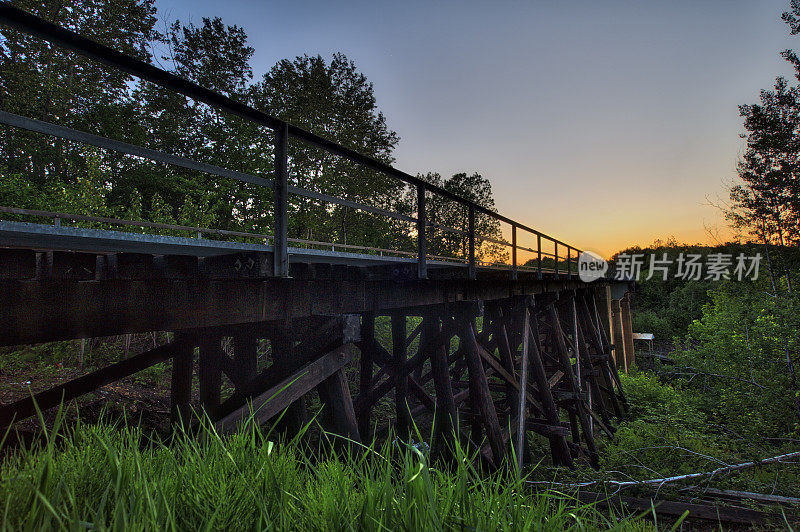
{"x": 63, "y": 283}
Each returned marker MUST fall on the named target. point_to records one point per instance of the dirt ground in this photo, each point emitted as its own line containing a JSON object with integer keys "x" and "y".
{"x": 133, "y": 400}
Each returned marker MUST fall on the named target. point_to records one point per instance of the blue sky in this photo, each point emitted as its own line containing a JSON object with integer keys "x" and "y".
{"x": 605, "y": 123}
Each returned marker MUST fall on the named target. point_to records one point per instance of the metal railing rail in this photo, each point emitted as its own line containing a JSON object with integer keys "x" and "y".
{"x": 58, "y": 217}
{"x": 64, "y": 38}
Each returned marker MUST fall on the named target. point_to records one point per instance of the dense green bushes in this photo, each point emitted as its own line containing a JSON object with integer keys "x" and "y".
{"x": 736, "y": 355}
{"x": 664, "y": 434}
{"x": 727, "y": 398}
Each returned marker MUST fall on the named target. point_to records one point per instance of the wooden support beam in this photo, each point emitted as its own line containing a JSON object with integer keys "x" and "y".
{"x": 501, "y": 372}
{"x": 523, "y": 386}
{"x": 558, "y": 443}
{"x": 338, "y": 415}
{"x": 497, "y": 328}
{"x": 618, "y": 346}
{"x": 604, "y": 337}
{"x": 545, "y": 429}
{"x": 409, "y": 340}
{"x": 566, "y": 367}
{"x": 445, "y": 420}
{"x": 589, "y": 326}
{"x": 367, "y": 348}
{"x": 597, "y": 399}
{"x": 24, "y": 408}
{"x": 284, "y": 363}
{"x": 210, "y": 375}
{"x": 403, "y": 422}
{"x": 627, "y": 330}
{"x": 269, "y": 403}
{"x": 479, "y": 390}
{"x": 395, "y": 371}
{"x": 181, "y": 380}
{"x": 420, "y": 393}
{"x": 216, "y": 359}
{"x": 555, "y": 378}
{"x": 245, "y": 353}
{"x": 326, "y": 337}
{"x": 601, "y": 423}
{"x": 414, "y": 334}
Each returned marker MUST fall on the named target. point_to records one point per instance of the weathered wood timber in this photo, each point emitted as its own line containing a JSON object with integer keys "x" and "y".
{"x": 513, "y": 380}
{"x": 270, "y": 403}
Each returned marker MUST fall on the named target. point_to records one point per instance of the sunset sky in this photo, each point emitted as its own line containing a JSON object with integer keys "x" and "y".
{"x": 604, "y": 123}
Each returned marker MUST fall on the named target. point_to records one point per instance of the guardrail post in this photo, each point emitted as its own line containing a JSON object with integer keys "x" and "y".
{"x": 471, "y": 268}
{"x": 555, "y": 248}
{"x": 569, "y": 262}
{"x": 539, "y": 254}
{"x": 514, "y": 252}
{"x": 280, "y": 245}
{"x": 422, "y": 262}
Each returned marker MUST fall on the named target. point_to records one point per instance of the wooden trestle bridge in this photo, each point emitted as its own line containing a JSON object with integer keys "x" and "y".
{"x": 498, "y": 353}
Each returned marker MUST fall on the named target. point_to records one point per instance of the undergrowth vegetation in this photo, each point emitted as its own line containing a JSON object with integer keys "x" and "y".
{"x": 114, "y": 476}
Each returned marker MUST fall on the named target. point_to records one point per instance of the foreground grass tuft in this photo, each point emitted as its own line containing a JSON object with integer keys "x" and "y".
{"x": 114, "y": 477}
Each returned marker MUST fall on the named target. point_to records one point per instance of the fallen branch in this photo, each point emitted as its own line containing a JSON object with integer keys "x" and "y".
{"x": 690, "y": 476}
{"x": 691, "y": 372}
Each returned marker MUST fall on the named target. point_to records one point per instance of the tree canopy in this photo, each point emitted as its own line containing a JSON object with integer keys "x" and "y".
{"x": 329, "y": 97}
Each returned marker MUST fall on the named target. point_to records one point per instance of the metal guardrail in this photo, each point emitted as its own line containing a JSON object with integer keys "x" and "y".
{"x": 32, "y": 25}
{"x": 59, "y": 217}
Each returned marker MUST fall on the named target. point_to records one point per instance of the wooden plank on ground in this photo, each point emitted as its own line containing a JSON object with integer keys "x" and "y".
{"x": 709, "y": 512}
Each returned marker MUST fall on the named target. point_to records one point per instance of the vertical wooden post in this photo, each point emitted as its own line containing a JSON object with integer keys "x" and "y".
{"x": 563, "y": 355}
{"x": 338, "y": 413}
{"x": 294, "y": 417}
{"x": 627, "y": 330}
{"x": 619, "y": 343}
{"x": 500, "y": 334}
{"x": 471, "y": 268}
{"x": 558, "y": 444}
{"x": 422, "y": 264}
{"x": 523, "y": 388}
{"x": 574, "y": 318}
{"x": 367, "y": 348}
{"x": 401, "y": 382}
{"x": 281, "y": 201}
{"x": 603, "y": 364}
{"x": 479, "y": 389}
{"x": 597, "y": 401}
{"x": 612, "y": 367}
{"x": 445, "y": 417}
{"x": 210, "y": 375}
{"x": 245, "y": 351}
{"x": 181, "y": 386}
{"x": 603, "y": 311}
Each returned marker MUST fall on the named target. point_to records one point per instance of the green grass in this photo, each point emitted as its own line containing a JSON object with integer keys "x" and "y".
{"x": 107, "y": 476}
